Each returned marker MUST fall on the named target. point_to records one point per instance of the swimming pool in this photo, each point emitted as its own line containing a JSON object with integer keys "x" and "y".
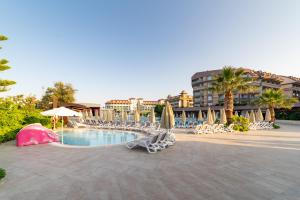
{"x": 94, "y": 137}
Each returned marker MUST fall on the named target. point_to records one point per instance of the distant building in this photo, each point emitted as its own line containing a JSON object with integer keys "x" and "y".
{"x": 183, "y": 100}
{"x": 203, "y": 97}
{"x": 83, "y": 107}
{"x": 291, "y": 86}
{"x": 131, "y": 104}
{"x": 161, "y": 101}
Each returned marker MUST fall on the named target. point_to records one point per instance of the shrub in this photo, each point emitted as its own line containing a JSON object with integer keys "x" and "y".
{"x": 294, "y": 116}
{"x": 15, "y": 113}
{"x": 285, "y": 114}
{"x": 276, "y": 126}
{"x": 2, "y": 173}
{"x": 240, "y": 123}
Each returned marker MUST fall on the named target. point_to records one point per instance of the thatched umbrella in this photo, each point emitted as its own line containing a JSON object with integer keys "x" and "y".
{"x": 183, "y": 117}
{"x": 213, "y": 114}
{"x": 236, "y": 113}
{"x": 82, "y": 116}
{"x": 209, "y": 117}
{"x": 260, "y": 116}
{"x": 96, "y": 114}
{"x": 113, "y": 115}
{"x": 104, "y": 115}
{"x": 125, "y": 116}
{"x": 121, "y": 116}
{"x": 91, "y": 114}
{"x": 86, "y": 115}
{"x": 223, "y": 119}
{"x": 247, "y": 115}
{"x": 252, "y": 117}
{"x": 268, "y": 115}
{"x": 167, "y": 117}
{"x": 152, "y": 116}
{"x": 200, "y": 116}
{"x": 108, "y": 116}
{"x": 136, "y": 116}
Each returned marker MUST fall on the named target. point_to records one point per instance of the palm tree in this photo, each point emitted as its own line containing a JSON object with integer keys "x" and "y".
{"x": 4, "y": 66}
{"x": 229, "y": 82}
{"x": 276, "y": 99}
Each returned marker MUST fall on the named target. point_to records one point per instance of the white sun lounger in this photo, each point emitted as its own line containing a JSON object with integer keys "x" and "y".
{"x": 148, "y": 142}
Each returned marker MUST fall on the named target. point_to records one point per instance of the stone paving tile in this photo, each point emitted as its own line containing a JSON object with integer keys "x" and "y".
{"x": 262, "y": 165}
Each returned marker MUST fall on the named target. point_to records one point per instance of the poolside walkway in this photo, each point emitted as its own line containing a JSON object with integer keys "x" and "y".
{"x": 261, "y": 165}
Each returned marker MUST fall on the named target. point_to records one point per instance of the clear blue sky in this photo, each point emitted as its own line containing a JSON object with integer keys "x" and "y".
{"x": 143, "y": 48}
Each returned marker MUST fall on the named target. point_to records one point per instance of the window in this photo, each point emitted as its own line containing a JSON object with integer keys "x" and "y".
{"x": 209, "y": 98}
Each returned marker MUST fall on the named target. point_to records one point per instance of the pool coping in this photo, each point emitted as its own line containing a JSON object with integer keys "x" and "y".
{"x": 58, "y": 144}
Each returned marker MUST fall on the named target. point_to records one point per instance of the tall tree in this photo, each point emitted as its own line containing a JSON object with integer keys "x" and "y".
{"x": 229, "y": 82}
{"x": 4, "y": 66}
{"x": 61, "y": 92}
{"x": 276, "y": 99}
{"x": 158, "y": 109}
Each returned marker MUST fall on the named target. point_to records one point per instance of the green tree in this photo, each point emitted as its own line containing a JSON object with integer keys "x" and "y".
{"x": 61, "y": 92}
{"x": 158, "y": 109}
{"x": 229, "y": 82}
{"x": 276, "y": 99}
{"x": 4, "y": 66}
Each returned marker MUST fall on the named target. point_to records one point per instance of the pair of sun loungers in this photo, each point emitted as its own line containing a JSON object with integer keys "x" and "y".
{"x": 154, "y": 142}
{"x": 261, "y": 125}
{"x": 215, "y": 128}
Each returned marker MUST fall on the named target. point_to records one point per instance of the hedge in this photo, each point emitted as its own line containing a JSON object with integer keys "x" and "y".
{"x": 15, "y": 113}
{"x": 2, "y": 173}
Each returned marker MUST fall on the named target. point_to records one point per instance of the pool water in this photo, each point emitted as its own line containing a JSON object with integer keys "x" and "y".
{"x": 90, "y": 137}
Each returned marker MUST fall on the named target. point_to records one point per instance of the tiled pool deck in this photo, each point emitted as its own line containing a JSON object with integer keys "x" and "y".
{"x": 261, "y": 165}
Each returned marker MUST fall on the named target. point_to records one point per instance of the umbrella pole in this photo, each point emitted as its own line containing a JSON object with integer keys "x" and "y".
{"x": 62, "y": 128}
{"x": 54, "y": 121}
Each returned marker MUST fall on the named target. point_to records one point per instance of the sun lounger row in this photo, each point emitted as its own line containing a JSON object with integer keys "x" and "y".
{"x": 261, "y": 125}
{"x": 215, "y": 128}
{"x": 155, "y": 142}
{"x": 186, "y": 125}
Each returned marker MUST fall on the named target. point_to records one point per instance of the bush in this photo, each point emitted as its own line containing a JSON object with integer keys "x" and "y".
{"x": 158, "y": 109}
{"x": 240, "y": 123}
{"x": 294, "y": 116}
{"x": 2, "y": 173}
{"x": 285, "y": 114}
{"x": 15, "y": 113}
{"x": 276, "y": 126}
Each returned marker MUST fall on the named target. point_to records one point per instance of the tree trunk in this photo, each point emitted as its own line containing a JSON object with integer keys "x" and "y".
{"x": 272, "y": 111}
{"x": 228, "y": 105}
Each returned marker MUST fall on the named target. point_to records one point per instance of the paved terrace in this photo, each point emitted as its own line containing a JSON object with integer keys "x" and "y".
{"x": 261, "y": 165}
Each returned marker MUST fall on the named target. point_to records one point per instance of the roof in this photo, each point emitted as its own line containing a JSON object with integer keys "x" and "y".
{"x": 90, "y": 105}
{"x": 117, "y": 101}
{"x": 151, "y": 102}
{"x": 205, "y": 73}
{"x": 82, "y": 105}
{"x": 290, "y": 79}
{"x": 253, "y": 73}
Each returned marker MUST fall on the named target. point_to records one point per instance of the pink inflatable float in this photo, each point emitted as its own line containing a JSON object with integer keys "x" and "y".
{"x": 35, "y": 134}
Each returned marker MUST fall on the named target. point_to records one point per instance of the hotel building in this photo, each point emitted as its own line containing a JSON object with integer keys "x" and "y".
{"x": 203, "y": 97}
{"x": 183, "y": 100}
{"x": 130, "y": 105}
{"x": 291, "y": 86}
